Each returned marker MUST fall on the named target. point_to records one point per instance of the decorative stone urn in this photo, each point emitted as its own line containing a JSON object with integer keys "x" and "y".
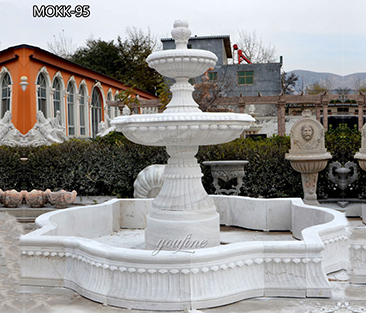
{"x": 226, "y": 171}
{"x": 11, "y": 198}
{"x": 61, "y": 199}
{"x": 35, "y": 198}
{"x": 308, "y": 154}
{"x": 182, "y": 208}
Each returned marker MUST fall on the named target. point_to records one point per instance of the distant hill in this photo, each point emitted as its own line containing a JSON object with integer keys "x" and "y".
{"x": 332, "y": 81}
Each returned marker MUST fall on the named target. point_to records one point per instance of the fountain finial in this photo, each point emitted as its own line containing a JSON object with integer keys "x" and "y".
{"x": 181, "y": 34}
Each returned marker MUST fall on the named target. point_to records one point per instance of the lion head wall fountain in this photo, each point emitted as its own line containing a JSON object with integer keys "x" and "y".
{"x": 201, "y": 272}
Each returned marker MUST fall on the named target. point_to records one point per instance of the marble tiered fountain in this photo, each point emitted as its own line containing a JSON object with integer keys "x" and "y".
{"x": 182, "y": 264}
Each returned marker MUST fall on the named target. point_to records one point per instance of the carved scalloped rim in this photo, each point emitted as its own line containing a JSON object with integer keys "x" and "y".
{"x": 308, "y": 157}
{"x": 182, "y": 117}
{"x": 358, "y": 246}
{"x": 186, "y": 55}
{"x": 194, "y": 270}
{"x": 335, "y": 239}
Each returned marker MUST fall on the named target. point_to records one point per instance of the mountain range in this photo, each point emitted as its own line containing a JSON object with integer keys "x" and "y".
{"x": 331, "y": 81}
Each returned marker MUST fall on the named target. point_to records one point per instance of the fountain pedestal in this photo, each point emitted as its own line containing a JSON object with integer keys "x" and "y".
{"x": 182, "y": 205}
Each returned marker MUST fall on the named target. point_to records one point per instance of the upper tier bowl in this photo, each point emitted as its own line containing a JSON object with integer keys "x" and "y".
{"x": 182, "y": 63}
{"x": 183, "y": 129}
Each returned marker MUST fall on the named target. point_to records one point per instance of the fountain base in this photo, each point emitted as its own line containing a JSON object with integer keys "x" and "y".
{"x": 64, "y": 253}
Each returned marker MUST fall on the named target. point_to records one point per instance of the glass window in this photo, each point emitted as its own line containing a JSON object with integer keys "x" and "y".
{"x": 82, "y": 106}
{"x": 116, "y": 110}
{"x": 5, "y": 94}
{"x": 70, "y": 109}
{"x": 56, "y": 96}
{"x": 96, "y": 110}
{"x": 109, "y": 111}
{"x": 245, "y": 78}
{"x": 212, "y": 75}
{"x": 42, "y": 94}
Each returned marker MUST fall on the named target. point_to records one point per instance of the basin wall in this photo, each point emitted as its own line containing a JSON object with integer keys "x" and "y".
{"x": 184, "y": 280}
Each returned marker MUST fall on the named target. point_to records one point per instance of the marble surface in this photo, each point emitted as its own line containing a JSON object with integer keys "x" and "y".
{"x": 56, "y": 255}
{"x": 182, "y": 208}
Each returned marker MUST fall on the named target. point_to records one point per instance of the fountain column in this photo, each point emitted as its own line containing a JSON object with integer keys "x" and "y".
{"x": 183, "y": 205}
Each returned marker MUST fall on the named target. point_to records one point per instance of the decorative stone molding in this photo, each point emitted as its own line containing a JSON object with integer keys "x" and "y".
{"x": 37, "y": 198}
{"x": 11, "y": 198}
{"x": 227, "y": 170}
{"x": 149, "y": 181}
{"x": 61, "y": 199}
{"x": 357, "y": 250}
{"x": 44, "y": 132}
{"x": 308, "y": 154}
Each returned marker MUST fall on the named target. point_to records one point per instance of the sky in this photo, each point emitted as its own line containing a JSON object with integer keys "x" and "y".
{"x": 315, "y": 35}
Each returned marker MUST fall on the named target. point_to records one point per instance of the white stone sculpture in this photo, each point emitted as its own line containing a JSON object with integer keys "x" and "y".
{"x": 361, "y": 155}
{"x": 44, "y": 132}
{"x": 104, "y": 127}
{"x": 126, "y": 110}
{"x": 9, "y": 135}
{"x": 149, "y": 182}
{"x": 308, "y": 154}
{"x": 182, "y": 207}
{"x": 197, "y": 272}
{"x": 357, "y": 270}
{"x": 227, "y": 170}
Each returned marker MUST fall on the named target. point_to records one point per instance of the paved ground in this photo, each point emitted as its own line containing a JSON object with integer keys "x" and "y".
{"x": 14, "y": 299}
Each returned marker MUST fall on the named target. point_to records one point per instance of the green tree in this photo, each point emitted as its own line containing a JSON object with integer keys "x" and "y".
{"x": 124, "y": 60}
{"x": 101, "y": 56}
{"x": 128, "y": 97}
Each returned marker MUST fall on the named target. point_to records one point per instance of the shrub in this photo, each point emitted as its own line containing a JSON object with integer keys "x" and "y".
{"x": 109, "y": 165}
{"x": 100, "y": 167}
{"x": 267, "y": 175}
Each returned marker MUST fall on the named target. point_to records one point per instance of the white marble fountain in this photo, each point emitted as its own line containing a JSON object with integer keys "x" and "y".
{"x": 182, "y": 264}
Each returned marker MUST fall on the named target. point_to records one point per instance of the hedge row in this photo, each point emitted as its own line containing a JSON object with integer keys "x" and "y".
{"x": 109, "y": 165}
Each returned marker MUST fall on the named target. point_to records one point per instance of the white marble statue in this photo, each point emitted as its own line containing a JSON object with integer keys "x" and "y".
{"x": 104, "y": 127}
{"x": 9, "y": 135}
{"x": 46, "y": 130}
{"x": 126, "y": 110}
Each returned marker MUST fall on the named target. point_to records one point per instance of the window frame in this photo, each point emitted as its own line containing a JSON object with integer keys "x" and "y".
{"x": 6, "y": 93}
{"x": 245, "y": 77}
{"x": 212, "y": 76}
{"x": 70, "y": 100}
